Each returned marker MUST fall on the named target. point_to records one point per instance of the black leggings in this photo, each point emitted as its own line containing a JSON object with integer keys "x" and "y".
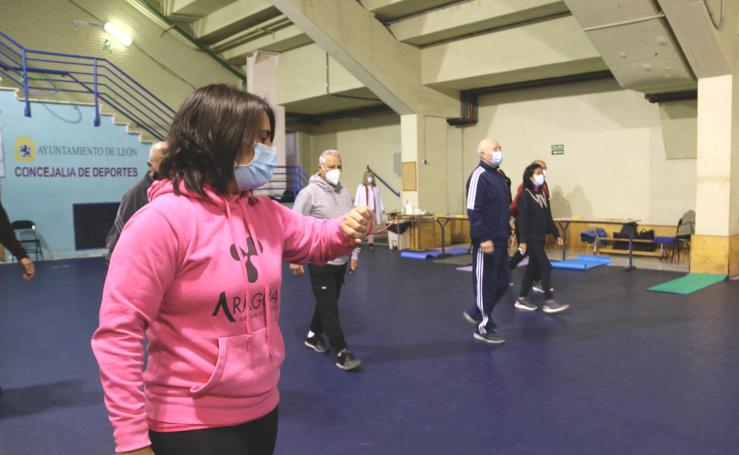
{"x": 257, "y": 437}
{"x": 539, "y": 266}
{"x": 518, "y": 257}
{"x": 327, "y": 281}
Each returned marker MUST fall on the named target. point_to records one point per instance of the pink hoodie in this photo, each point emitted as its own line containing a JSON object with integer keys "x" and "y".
{"x": 193, "y": 275}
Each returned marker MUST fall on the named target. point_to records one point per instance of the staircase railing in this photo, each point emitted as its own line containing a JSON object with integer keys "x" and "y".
{"x": 286, "y": 183}
{"x": 98, "y": 78}
{"x": 392, "y": 190}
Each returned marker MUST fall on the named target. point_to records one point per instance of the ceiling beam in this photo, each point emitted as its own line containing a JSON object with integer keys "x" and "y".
{"x": 362, "y": 45}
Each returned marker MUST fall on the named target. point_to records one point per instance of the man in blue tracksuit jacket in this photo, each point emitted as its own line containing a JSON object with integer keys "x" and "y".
{"x": 488, "y": 209}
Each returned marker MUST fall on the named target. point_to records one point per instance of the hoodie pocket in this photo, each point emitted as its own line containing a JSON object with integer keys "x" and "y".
{"x": 244, "y": 367}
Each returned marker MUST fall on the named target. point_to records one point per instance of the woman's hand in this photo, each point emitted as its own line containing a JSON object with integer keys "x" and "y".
{"x": 29, "y": 270}
{"x": 297, "y": 270}
{"x": 522, "y": 248}
{"x": 356, "y": 223}
{"x": 560, "y": 242}
{"x": 487, "y": 247}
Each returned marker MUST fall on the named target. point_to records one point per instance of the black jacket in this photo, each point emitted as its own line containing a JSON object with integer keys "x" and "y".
{"x": 535, "y": 217}
{"x": 7, "y": 237}
{"x": 132, "y": 201}
{"x": 488, "y": 205}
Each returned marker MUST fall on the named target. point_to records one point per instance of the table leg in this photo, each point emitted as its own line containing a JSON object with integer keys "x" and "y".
{"x": 443, "y": 235}
{"x": 564, "y": 225}
{"x": 631, "y": 251}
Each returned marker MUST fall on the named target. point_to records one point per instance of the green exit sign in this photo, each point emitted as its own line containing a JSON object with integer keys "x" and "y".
{"x": 558, "y": 149}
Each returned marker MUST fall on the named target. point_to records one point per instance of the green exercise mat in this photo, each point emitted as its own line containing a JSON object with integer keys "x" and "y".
{"x": 689, "y": 283}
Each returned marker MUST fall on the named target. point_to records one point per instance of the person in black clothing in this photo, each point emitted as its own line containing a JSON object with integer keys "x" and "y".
{"x": 8, "y": 240}
{"x": 488, "y": 208}
{"x": 535, "y": 222}
{"x": 136, "y": 197}
{"x": 518, "y": 256}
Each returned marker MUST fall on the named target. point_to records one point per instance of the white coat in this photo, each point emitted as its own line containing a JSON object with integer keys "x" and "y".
{"x": 370, "y": 196}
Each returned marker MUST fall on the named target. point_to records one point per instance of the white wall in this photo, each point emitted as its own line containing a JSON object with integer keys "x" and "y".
{"x": 362, "y": 141}
{"x": 614, "y": 163}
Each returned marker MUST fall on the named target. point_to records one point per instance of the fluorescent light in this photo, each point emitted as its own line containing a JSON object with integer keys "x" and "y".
{"x": 118, "y": 34}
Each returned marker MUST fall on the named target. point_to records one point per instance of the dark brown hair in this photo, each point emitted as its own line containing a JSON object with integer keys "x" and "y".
{"x": 214, "y": 125}
{"x": 528, "y": 173}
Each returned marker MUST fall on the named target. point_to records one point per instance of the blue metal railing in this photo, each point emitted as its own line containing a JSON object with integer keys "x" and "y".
{"x": 96, "y": 77}
{"x": 392, "y": 190}
{"x": 286, "y": 183}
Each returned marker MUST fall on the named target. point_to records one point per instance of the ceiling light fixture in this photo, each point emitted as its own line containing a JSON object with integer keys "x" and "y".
{"x": 118, "y": 34}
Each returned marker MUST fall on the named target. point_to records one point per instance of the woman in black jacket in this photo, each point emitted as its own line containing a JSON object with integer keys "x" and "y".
{"x": 8, "y": 240}
{"x": 535, "y": 222}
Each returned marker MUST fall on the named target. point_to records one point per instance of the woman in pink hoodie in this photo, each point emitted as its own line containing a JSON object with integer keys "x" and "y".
{"x": 197, "y": 272}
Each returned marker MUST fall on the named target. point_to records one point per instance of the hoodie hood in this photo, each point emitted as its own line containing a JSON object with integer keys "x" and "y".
{"x": 324, "y": 185}
{"x": 166, "y": 186}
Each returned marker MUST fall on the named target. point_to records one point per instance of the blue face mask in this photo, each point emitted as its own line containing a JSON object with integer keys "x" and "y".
{"x": 259, "y": 171}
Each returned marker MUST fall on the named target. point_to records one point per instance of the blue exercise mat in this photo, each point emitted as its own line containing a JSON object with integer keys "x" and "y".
{"x": 457, "y": 250}
{"x": 422, "y": 255}
{"x": 582, "y": 263}
{"x": 430, "y": 254}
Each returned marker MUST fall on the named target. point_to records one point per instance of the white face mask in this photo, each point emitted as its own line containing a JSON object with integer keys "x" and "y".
{"x": 369, "y": 180}
{"x": 333, "y": 176}
{"x": 496, "y": 157}
{"x": 539, "y": 179}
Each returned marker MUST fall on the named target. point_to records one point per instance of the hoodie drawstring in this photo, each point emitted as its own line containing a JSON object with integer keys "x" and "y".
{"x": 243, "y": 267}
{"x": 262, "y": 275}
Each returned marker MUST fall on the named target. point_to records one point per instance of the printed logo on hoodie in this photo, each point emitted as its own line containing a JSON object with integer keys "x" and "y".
{"x": 251, "y": 250}
{"x": 236, "y": 310}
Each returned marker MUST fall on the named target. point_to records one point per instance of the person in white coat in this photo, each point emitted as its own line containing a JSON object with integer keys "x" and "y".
{"x": 368, "y": 194}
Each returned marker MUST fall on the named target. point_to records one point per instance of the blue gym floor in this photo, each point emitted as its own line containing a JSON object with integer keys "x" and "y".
{"x": 625, "y": 371}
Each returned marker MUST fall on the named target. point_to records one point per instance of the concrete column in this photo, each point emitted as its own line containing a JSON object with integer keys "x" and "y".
{"x": 423, "y": 140}
{"x": 715, "y": 245}
{"x": 411, "y": 142}
{"x": 261, "y": 79}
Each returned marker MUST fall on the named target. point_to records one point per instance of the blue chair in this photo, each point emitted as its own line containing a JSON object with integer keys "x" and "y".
{"x": 677, "y": 243}
{"x": 662, "y": 241}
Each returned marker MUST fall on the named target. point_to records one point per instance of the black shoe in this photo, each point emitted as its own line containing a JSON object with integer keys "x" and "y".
{"x": 523, "y": 304}
{"x": 491, "y": 337}
{"x": 551, "y": 306}
{"x": 468, "y": 317}
{"x": 346, "y": 360}
{"x": 316, "y": 343}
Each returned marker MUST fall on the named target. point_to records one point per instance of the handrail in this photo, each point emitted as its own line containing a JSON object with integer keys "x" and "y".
{"x": 81, "y": 74}
{"x": 383, "y": 181}
{"x": 286, "y": 180}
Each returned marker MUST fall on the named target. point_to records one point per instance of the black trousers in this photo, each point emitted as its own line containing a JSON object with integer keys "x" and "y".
{"x": 518, "y": 257}
{"x": 539, "y": 267}
{"x": 326, "y": 281}
{"x": 257, "y": 437}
